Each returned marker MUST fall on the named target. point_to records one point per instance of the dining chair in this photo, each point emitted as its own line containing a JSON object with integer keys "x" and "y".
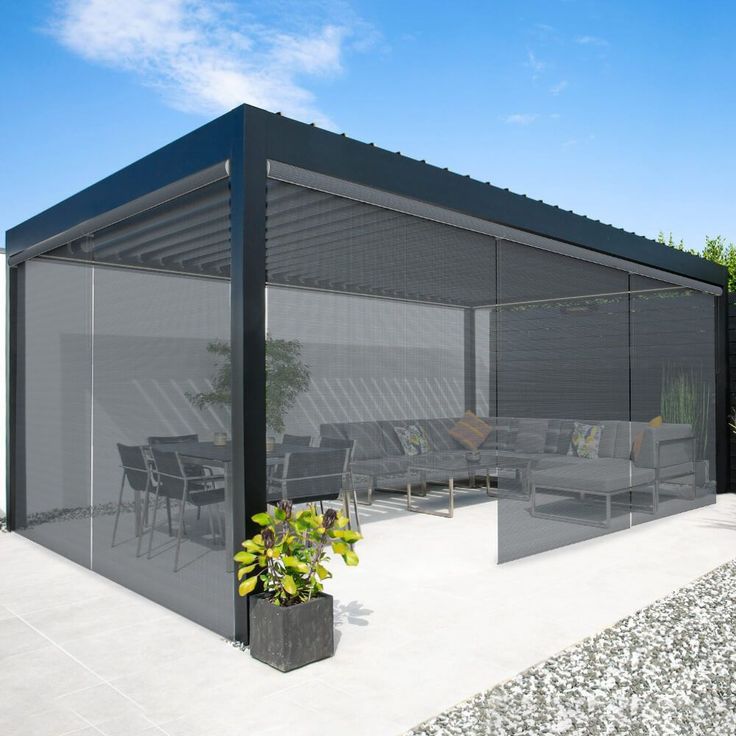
{"x": 296, "y": 439}
{"x": 193, "y": 469}
{"x": 307, "y": 477}
{"x": 175, "y": 482}
{"x": 349, "y": 489}
{"x": 137, "y": 473}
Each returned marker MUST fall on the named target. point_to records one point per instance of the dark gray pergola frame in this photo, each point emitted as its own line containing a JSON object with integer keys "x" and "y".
{"x": 247, "y": 138}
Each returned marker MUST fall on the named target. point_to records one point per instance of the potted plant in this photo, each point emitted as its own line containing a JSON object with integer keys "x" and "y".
{"x": 686, "y": 399}
{"x": 291, "y": 620}
{"x": 286, "y": 377}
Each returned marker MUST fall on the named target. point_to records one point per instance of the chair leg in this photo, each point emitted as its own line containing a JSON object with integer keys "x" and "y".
{"x": 321, "y": 507}
{"x": 168, "y": 515}
{"x": 351, "y": 489}
{"x": 153, "y": 523}
{"x": 178, "y": 535}
{"x": 212, "y": 523}
{"x": 355, "y": 507}
{"x": 220, "y": 522}
{"x": 117, "y": 512}
{"x": 144, "y": 521}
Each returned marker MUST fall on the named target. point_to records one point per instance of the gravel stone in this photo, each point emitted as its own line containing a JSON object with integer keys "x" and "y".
{"x": 667, "y": 670}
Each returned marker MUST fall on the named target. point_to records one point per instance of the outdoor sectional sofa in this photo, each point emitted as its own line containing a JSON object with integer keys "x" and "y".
{"x": 666, "y": 453}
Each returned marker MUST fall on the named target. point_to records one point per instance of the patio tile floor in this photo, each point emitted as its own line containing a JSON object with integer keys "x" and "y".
{"x": 425, "y": 621}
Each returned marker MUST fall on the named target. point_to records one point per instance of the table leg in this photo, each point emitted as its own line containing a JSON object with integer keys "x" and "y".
{"x": 452, "y": 497}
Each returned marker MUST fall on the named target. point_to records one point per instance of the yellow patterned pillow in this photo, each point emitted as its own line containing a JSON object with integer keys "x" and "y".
{"x": 470, "y": 431}
{"x": 585, "y": 440}
{"x": 639, "y": 438}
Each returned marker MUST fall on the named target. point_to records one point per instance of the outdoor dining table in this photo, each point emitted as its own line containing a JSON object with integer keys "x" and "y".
{"x": 221, "y": 456}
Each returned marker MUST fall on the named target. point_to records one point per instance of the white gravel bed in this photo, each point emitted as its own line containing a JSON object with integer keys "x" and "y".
{"x": 669, "y": 669}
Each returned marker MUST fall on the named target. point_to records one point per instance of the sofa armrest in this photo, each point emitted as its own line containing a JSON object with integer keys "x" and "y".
{"x": 683, "y": 451}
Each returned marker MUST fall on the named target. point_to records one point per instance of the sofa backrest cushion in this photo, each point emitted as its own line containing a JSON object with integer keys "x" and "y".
{"x": 502, "y": 435}
{"x": 531, "y": 435}
{"x": 609, "y": 432}
{"x": 333, "y": 430}
{"x": 559, "y": 433}
{"x": 639, "y": 437}
{"x": 625, "y": 437}
{"x": 368, "y": 439}
{"x": 391, "y": 445}
{"x": 438, "y": 431}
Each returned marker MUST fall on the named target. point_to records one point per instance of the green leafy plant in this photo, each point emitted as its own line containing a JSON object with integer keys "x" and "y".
{"x": 221, "y": 381}
{"x": 716, "y": 249}
{"x": 286, "y": 378}
{"x": 289, "y": 554}
{"x": 686, "y": 399}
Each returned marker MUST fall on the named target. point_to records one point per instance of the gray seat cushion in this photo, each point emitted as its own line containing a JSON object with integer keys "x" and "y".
{"x": 548, "y": 460}
{"x": 603, "y": 474}
{"x": 381, "y": 466}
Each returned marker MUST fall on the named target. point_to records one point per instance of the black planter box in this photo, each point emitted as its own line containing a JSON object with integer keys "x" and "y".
{"x": 287, "y": 638}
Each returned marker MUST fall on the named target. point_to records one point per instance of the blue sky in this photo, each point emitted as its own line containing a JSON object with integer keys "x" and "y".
{"x": 623, "y": 111}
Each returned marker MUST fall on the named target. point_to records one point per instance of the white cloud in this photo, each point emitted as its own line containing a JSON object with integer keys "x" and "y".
{"x": 520, "y": 118}
{"x": 207, "y": 56}
{"x": 558, "y": 88}
{"x": 591, "y": 41}
{"x": 536, "y": 65}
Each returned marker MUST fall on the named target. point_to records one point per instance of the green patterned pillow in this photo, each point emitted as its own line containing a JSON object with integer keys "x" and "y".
{"x": 413, "y": 440}
{"x": 585, "y": 440}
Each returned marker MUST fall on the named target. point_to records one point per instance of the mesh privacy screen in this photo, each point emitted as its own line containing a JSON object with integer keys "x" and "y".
{"x": 591, "y": 388}
{"x": 126, "y": 336}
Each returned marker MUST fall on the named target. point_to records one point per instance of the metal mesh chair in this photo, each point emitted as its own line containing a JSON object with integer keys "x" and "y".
{"x": 348, "y": 485}
{"x": 175, "y": 482}
{"x": 137, "y": 473}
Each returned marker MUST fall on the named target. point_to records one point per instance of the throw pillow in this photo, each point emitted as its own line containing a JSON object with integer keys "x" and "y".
{"x": 639, "y": 438}
{"x": 470, "y": 431}
{"x": 413, "y": 439}
{"x": 585, "y": 440}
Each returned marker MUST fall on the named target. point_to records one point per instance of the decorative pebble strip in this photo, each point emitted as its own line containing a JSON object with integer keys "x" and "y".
{"x": 669, "y": 669}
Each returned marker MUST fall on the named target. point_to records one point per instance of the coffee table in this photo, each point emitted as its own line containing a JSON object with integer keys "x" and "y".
{"x": 452, "y": 464}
